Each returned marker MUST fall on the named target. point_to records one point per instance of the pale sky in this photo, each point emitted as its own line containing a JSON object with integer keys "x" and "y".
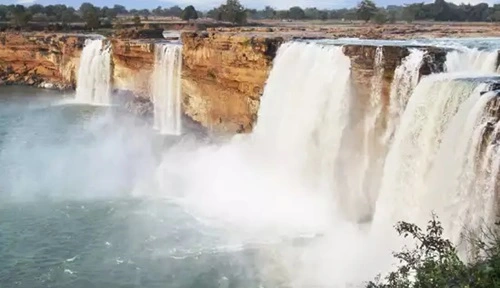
{"x": 206, "y": 4}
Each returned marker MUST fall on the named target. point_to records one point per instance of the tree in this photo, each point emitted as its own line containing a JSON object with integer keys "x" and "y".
{"x": 214, "y": 14}
{"x": 323, "y": 15}
{"x": 311, "y": 13}
{"x": 366, "y": 10}
{"x": 409, "y": 13}
{"x": 36, "y": 9}
{"x": 119, "y": 9}
{"x": 137, "y": 20}
{"x": 109, "y": 13}
{"x": 380, "y": 17}
{"x": 20, "y": 17}
{"x": 283, "y": 14}
{"x": 174, "y": 11}
{"x": 297, "y": 13}
{"x": 269, "y": 12}
{"x": 393, "y": 16}
{"x": 90, "y": 14}
{"x": 189, "y": 13}
{"x": 69, "y": 16}
{"x": 3, "y": 12}
{"x": 144, "y": 12}
{"x": 40, "y": 17}
{"x": 158, "y": 11}
{"x": 233, "y": 12}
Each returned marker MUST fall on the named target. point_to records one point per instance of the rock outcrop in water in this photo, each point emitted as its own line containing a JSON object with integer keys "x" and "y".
{"x": 45, "y": 60}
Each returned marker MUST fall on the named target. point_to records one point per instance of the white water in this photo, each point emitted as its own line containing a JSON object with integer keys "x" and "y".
{"x": 299, "y": 172}
{"x": 94, "y": 73}
{"x": 406, "y": 77}
{"x": 472, "y": 60}
{"x": 373, "y": 148}
{"x": 166, "y": 88}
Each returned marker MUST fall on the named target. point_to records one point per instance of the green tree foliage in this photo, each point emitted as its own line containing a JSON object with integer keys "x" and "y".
{"x": 174, "y": 11}
{"x": 380, "y": 17}
{"x": 90, "y": 14}
{"x": 434, "y": 261}
{"x": 214, "y": 14}
{"x": 297, "y": 13}
{"x": 119, "y": 9}
{"x": 20, "y": 16}
{"x": 366, "y": 10}
{"x": 137, "y": 20}
{"x": 232, "y": 12}
{"x": 189, "y": 13}
{"x": 269, "y": 13}
{"x": 37, "y": 8}
{"x": 110, "y": 13}
{"x": 40, "y": 17}
{"x": 69, "y": 16}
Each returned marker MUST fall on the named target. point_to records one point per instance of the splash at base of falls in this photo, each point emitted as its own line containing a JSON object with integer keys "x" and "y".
{"x": 166, "y": 88}
{"x": 308, "y": 169}
{"x": 94, "y": 73}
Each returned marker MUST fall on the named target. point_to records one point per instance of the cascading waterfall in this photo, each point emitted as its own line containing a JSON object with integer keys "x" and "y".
{"x": 406, "y": 78}
{"x": 317, "y": 89}
{"x": 166, "y": 88}
{"x": 314, "y": 165}
{"x": 431, "y": 108}
{"x": 471, "y": 60}
{"x": 94, "y": 73}
{"x": 373, "y": 146}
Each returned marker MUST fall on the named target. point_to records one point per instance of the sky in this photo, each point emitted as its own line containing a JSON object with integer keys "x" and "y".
{"x": 207, "y": 4}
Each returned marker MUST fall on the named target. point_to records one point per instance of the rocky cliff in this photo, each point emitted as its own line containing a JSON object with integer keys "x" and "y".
{"x": 223, "y": 74}
{"x": 223, "y": 77}
{"x": 46, "y": 60}
{"x": 133, "y": 62}
{"x": 363, "y": 66}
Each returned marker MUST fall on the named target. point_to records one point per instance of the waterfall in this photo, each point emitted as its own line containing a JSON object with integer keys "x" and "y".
{"x": 166, "y": 88}
{"x": 94, "y": 73}
{"x": 471, "y": 60}
{"x": 436, "y": 123}
{"x": 405, "y": 79}
{"x": 322, "y": 160}
{"x": 373, "y": 150}
{"x": 307, "y": 93}
{"x": 436, "y": 164}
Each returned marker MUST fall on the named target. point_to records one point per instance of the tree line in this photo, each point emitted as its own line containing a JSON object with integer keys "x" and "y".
{"x": 232, "y": 11}
{"x": 367, "y": 10}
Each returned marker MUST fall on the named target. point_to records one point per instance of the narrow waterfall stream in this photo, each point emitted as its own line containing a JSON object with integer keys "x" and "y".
{"x": 94, "y": 73}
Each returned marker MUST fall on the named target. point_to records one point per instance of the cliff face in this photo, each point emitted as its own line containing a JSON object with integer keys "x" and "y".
{"x": 363, "y": 68}
{"x": 223, "y": 78}
{"x": 133, "y": 62}
{"x": 223, "y": 74}
{"x": 47, "y": 60}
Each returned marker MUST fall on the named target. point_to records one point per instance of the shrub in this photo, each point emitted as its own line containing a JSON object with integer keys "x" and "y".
{"x": 434, "y": 261}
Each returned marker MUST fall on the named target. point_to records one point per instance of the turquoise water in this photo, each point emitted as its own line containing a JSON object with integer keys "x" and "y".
{"x": 70, "y": 214}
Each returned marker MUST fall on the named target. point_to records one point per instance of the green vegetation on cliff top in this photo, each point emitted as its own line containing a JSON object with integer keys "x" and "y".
{"x": 232, "y": 11}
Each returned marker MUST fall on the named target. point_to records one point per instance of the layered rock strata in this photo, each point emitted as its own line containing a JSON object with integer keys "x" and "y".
{"x": 45, "y": 60}
{"x": 223, "y": 74}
